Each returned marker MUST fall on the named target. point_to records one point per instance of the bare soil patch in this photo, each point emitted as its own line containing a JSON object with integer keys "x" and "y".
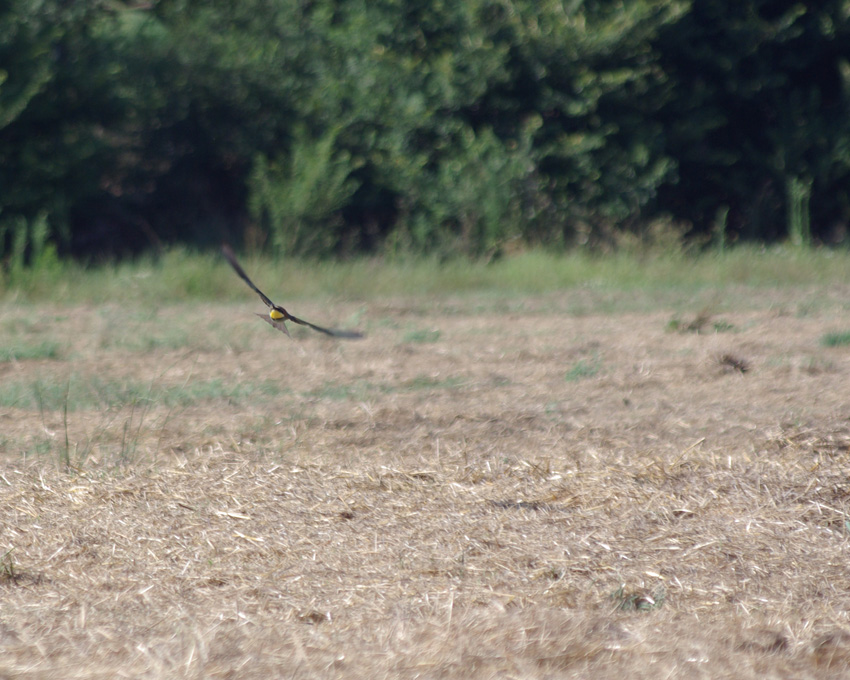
{"x": 477, "y": 490}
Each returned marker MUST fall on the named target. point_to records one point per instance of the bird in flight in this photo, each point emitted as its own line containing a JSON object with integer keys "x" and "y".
{"x": 278, "y": 316}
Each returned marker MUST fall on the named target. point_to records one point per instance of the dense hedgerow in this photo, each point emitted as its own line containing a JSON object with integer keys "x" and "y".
{"x": 341, "y": 127}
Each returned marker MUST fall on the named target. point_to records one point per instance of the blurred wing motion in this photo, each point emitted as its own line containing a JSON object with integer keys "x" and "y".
{"x": 278, "y": 316}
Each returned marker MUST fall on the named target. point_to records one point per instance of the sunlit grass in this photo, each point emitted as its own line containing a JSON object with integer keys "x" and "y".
{"x": 93, "y": 392}
{"x": 359, "y": 390}
{"x": 22, "y": 351}
{"x": 180, "y": 275}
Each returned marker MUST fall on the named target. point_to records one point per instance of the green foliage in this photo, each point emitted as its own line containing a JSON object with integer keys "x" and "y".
{"x": 298, "y": 199}
{"x": 8, "y": 570}
{"x": 26, "y": 64}
{"x": 759, "y": 120}
{"x": 837, "y": 339}
{"x": 121, "y": 290}
{"x": 640, "y": 599}
{"x": 327, "y": 128}
{"x": 29, "y": 246}
{"x": 421, "y": 335}
{"x": 46, "y": 349}
{"x": 473, "y": 201}
{"x": 798, "y": 193}
{"x": 582, "y": 369}
{"x": 63, "y": 101}
{"x": 588, "y": 70}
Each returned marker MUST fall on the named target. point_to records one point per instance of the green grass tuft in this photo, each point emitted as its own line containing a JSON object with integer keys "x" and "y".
{"x": 838, "y": 339}
{"x": 640, "y": 600}
{"x": 334, "y": 391}
{"x": 46, "y": 349}
{"x": 581, "y": 370}
{"x": 427, "y": 382}
{"x": 7, "y": 566}
{"x": 421, "y": 336}
{"x": 721, "y": 326}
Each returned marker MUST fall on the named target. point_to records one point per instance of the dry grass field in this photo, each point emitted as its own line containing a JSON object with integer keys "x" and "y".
{"x": 568, "y": 485}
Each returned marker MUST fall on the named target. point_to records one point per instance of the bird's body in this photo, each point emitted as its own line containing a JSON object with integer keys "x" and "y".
{"x": 278, "y": 316}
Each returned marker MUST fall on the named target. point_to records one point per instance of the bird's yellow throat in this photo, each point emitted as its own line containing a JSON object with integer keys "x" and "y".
{"x": 274, "y": 314}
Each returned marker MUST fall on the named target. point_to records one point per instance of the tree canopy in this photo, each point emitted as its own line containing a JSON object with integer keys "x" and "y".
{"x": 333, "y": 127}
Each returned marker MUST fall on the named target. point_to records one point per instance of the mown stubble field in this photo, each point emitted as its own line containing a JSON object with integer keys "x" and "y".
{"x": 566, "y": 485}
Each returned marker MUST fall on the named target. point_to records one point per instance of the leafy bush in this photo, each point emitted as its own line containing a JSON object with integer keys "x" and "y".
{"x": 329, "y": 127}
{"x": 298, "y": 199}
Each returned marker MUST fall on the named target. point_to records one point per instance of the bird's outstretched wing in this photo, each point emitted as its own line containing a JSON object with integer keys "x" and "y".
{"x": 279, "y": 319}
{"x": 230, "y": 256}
{"x": 334, "y": 332}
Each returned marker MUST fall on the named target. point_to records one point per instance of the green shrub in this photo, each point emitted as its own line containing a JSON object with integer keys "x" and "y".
{"x": 298, "y": 198}
{"x": 837, "y": 339}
